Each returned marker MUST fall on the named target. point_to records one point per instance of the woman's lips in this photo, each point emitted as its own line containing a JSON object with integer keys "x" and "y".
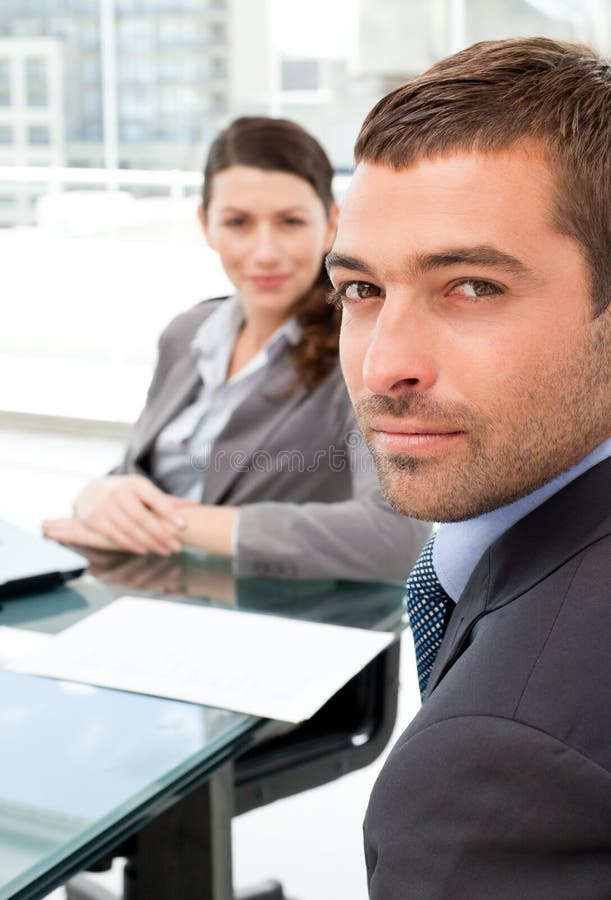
{"x": 268, "y": 282}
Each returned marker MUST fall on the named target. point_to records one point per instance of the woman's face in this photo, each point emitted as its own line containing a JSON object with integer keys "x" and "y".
{"x": 271, "y": 232}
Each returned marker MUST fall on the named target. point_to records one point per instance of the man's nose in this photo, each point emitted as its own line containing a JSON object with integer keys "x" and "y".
{"x": 401, "y": 352}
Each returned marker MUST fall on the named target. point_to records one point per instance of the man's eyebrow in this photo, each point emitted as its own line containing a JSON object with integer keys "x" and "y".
{"x": 479, "y": 255}
{"x": 346, "y": 262}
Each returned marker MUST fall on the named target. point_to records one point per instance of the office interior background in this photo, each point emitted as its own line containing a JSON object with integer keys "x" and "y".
{"x": 106, "y": 111}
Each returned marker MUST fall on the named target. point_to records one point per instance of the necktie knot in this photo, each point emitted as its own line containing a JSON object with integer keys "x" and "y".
{"x": 427, "y": 607}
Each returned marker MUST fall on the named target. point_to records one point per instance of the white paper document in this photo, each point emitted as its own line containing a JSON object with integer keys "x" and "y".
{"x": 16, "y": 642}
{"x": 259, "y": 664}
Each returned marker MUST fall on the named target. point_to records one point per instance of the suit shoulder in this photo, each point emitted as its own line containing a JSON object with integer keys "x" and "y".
{"x": 485, "y": 756}
{"x": 334, "y": 387}
{"x": 481, "y": 806}
{"x": 182, "y": 327}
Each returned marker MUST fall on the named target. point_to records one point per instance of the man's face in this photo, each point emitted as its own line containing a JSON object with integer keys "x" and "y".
{"x": 467, "y": 342}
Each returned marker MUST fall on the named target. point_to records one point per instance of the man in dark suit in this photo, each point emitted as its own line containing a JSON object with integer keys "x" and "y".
{"x": 473, "y": 262}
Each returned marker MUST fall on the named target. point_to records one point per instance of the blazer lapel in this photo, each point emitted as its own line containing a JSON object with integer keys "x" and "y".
{"x": 251, "y": 427}
{"x": 572, "y": 519}
{"x": 179, "y": 390}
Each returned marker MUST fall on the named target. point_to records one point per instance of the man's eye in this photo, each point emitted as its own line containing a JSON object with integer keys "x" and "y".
{"x": 293, "y": 220}
{"x": 359, "y": 290}
{"x": 234, "y": 223}
{"x": 475, "y": 288}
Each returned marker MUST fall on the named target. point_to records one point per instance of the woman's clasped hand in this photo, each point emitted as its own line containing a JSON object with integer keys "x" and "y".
{"x": 124, "y": 512}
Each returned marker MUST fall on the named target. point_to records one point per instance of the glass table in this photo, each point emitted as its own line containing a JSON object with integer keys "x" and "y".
{"x": 83, "y": 768}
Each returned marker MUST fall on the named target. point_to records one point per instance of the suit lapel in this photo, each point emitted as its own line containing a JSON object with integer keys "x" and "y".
{"x": 471, "y": 606}
{"x": 571, "y": 520}
{"x": 180, "y": 388}
{"x": 251, "y": 428}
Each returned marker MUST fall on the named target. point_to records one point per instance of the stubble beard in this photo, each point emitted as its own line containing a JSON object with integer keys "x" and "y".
{"x": 555, "y": 418}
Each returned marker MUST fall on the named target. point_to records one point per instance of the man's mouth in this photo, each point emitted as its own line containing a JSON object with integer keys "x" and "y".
{"x": 395, "y": 436}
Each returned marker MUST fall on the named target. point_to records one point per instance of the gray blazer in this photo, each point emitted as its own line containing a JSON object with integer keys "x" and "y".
{"x": 300, "y": 449}
{"x": 500, "y": 789}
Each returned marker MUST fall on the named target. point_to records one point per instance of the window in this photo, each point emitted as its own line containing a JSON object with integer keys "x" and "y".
{"x": 6, "y": 135}
{"x": 36, "y": 81}
{"x": 5, "y": 82}
{"x": 300, "y": 75}
{"x": 39, "y": 136}
{"x": 91, "y": 69}
{"x": 137, "y": 69}
{"x": 175, "y": 29}
{"x": 133, "y": 132}
{"x": 218, "y": 67}
{"x": 217, "y": 33}
{"x": 92, "y": 103}
{"x": 90, "y": 33}
{"x": 91, "y": 130}
{"x": 136, "y": 32}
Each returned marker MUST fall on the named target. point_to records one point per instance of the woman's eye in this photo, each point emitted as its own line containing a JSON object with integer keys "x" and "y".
{"x": 359, "y": 290}
{"x": 475, "y": 288}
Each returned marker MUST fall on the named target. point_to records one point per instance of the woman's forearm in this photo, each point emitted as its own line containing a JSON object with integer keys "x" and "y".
{"x": 210, "y": 528}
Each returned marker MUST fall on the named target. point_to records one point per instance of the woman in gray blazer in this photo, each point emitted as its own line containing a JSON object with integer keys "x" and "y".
{"x": 247, "y": 444}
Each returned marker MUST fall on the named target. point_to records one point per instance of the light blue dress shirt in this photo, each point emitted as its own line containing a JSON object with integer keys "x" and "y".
{"x": 459, "y": 546}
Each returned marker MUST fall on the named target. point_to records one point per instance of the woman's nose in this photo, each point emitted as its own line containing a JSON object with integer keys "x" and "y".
{"x": 266, "y": 246}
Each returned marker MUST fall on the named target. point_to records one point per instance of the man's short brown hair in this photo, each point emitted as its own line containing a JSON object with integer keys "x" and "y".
{"x": 518, "y": 91}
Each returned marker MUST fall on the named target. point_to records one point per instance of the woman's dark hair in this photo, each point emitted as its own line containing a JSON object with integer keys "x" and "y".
{"x": 279, "y": 145}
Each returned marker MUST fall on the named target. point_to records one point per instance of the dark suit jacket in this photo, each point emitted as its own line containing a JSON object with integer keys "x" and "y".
{"x": 500, "y": 789}
{"x": 298, "y": 448}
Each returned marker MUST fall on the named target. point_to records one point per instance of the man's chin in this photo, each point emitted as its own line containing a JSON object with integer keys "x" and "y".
{"x": 387, "y": 466}
{"x": 416, "y": 487}
{"x": 405, "y": 485}
{"x": 426, "y": 506}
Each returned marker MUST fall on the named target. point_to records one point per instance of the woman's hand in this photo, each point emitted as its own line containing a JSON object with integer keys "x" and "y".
{"x": 126, "y": 512}
{"x": 72, "y": 531}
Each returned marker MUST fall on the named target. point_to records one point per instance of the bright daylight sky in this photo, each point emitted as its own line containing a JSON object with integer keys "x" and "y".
{"x": 323, "y": 28}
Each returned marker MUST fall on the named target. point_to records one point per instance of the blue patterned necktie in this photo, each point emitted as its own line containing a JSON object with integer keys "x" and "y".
{"x": 427, "y": 606}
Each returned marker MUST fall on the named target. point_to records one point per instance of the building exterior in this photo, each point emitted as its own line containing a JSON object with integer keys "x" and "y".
{"x": 32, "y": 122}
{"x": 146, "y": 84}
{"x": 32, "y": 128}
{"x": 140, "y": 83}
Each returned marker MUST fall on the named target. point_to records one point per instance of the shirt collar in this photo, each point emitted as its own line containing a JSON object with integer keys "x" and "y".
{"x": 459, "y": 546}
{"x": 222, "y": 327}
